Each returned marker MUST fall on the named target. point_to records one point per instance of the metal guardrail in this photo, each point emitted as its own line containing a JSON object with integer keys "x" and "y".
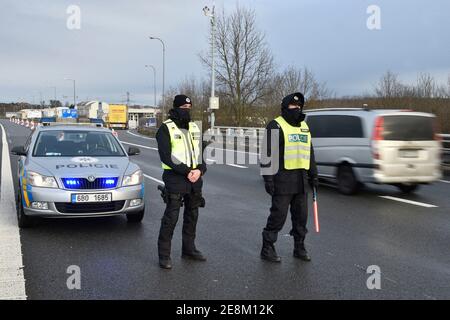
{"x": 253, "y": 136}
{"x": 257, "y": 132}
{"x": 237, "y": 131}
{"x": 446, "y": 153}
{"x": 236, "y": 137}
{"x": 446, "y": 142}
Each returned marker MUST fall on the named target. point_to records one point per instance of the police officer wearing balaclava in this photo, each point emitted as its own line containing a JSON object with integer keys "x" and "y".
{"x": 289, "y": 171}
{"x": 179, "y": 147}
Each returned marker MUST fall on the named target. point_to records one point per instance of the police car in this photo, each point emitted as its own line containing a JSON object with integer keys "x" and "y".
{"x": 77, "y": 171}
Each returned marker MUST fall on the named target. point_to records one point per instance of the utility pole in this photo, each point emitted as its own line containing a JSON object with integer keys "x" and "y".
{"x": 213, "y": 101}
{"x": 74, "y": 92}
{"x": 128, "y": 98}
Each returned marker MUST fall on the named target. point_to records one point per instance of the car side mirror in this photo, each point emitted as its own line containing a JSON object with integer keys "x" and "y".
{"x": 19, "y": 151}
{"x": 133, "y": 151}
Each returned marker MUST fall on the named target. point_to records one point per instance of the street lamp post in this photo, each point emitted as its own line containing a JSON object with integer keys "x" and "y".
{"x": 213, "y": 102}
{"x": 164, "y": 74}
{"x": 154, "y": 80}
{"x": 54, "y": 88}
{"x": 74, "y": 91}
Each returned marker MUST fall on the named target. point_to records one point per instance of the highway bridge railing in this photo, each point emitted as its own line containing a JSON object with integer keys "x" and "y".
{"x": 251, "y": 137}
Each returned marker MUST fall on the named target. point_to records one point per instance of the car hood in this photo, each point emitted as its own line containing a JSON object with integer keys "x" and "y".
{"x": 81, "y": 167}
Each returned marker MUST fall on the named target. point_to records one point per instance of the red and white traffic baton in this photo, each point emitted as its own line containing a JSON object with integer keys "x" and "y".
{"x": 316, "y": 211}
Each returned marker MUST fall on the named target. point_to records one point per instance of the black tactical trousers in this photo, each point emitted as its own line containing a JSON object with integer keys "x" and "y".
{"x": 170, "y": 219}
{"x": 278, "y": 213}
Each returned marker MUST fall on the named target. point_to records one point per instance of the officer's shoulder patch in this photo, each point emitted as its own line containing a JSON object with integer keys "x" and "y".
{"x": 305, "y": 130}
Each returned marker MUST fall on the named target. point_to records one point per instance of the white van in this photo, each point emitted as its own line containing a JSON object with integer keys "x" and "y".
{"x": 356, "y": 146}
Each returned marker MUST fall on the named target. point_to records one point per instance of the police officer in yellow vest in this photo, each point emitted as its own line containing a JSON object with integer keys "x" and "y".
{"x": 180, "y": 147}
{"x": 289, "y": 171}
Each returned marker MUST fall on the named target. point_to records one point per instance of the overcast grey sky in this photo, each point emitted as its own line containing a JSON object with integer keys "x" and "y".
{"x": 107, "y": 55}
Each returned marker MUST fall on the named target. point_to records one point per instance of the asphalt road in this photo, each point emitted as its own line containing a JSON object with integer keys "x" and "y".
{"x": 410, "y": 243}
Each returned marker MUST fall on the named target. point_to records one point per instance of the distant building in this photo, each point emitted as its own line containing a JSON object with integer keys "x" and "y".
{"x": 136, "y": 115}
{"x": 93, "y": 110}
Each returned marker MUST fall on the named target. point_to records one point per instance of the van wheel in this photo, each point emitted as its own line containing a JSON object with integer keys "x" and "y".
{"x": 407, "y": 188}
{"x": 346, "y": 180}
{"x": 23, "y": 220}
{"x": 136, "y": 217}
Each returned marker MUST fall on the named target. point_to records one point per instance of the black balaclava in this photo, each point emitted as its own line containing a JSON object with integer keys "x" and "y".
{"x": 293, "y": 116}
{"x": 181, "y": 116}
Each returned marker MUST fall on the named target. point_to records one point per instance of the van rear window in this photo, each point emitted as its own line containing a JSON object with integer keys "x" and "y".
{"x": 408, "y": 128}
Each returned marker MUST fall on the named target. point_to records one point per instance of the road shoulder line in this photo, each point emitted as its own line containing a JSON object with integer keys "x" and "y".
{"x": 12, "y": 283}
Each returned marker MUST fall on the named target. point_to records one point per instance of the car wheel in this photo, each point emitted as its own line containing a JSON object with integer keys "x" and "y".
{"x": 346, "y": 180}
{"x": 23, "y": 220}
{"x": 407, "y": 188}
{"x": 136, "y": 217}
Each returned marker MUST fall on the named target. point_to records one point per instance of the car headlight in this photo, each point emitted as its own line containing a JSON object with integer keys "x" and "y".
{"x": 133, "y": 179}
{"x": 38, "y": 180}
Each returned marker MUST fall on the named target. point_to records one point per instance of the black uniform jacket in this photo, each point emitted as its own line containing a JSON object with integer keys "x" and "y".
{"x": 176, "y": 180}
{"x": 286, "y": 181}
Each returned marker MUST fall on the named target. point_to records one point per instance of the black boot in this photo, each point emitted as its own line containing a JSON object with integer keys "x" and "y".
{"x": 300, "y": 250}
{"x": 165, "y": 263}
{"x": 193, "y": 255}
{"x": 268, "y": 251}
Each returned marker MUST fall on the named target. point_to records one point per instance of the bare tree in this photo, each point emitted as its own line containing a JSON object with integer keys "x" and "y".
{"x": 299, "y": 79}
{"x": 245, "y": 63}
{"x": 389, "y": 86}
{"x": 447, "y": 90}
{"x": 197, "y": 90}
{"x": 443, "y": 90}
{"x": 426, "y": 86}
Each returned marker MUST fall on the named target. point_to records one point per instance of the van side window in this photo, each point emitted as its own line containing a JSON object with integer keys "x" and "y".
{"x": 335, "y": 126}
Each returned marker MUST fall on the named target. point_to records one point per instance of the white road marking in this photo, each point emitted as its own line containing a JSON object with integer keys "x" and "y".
{"x": 237, "y": 151}
{"x": 444, "y": 181}
{"x": 139, "y": 135}
{"x": 154, "y": 179}
{"x": 421, "y": 204}
{"x": 211, "y": 161}
{"x": 12, "y": 280}
{"x": 236, "y": 165}
{"x": 139, "y": 145}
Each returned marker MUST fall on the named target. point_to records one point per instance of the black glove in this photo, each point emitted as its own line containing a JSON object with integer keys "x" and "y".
{"x": 314, "y": 183}
{"x": 270, "y": 187}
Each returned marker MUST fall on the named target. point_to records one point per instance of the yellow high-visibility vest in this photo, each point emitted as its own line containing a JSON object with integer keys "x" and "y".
{"x": 184, "y": 149}
{"x": 297, "y": 145}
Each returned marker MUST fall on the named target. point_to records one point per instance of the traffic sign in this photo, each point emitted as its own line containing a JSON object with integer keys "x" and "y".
{"x": 214, "y": 103}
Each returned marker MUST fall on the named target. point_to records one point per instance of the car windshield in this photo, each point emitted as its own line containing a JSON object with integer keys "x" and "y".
{"x": 71, "y": 143}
